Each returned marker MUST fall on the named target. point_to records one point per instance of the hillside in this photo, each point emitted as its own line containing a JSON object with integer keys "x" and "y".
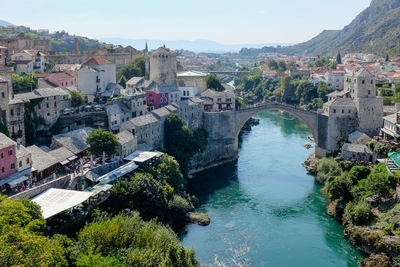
{"x": 59, "y": 40}
{"x": 375, "y": 30}
{"x": 5, "y": 23}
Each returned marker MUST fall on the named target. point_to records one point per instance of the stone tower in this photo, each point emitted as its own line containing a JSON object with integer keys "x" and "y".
{"x": 4, "y": 98}
{"x": 146, "y": 63}
{"x": 163, "y": 68}
{"x": 361, "y": 86}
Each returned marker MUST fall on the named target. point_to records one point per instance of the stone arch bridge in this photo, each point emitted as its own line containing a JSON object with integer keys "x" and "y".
{"x": 224, "y": 129}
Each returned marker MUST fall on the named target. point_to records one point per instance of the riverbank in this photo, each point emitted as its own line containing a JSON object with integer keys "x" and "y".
{"x": 377, "y": 237}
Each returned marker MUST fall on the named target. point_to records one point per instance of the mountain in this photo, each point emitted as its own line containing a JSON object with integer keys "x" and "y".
{"x": 195, "y": 46}
{"x": 375, "y": 30}
{"x": 5, "y": 23}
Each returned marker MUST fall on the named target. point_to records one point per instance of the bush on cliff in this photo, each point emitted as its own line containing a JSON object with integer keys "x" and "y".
{"x": 358, "y": 214}
{"x": 339, "y": 188}
{"x": 327, "y": 167}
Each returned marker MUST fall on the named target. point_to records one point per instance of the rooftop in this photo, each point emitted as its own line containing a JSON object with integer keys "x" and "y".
{"x": 97, "y": 60}
{"x": 124, "y": 137}
{"x": 6, "y": 141}
{"x": 41, "y": 160}
{"x": 357, "y": 148}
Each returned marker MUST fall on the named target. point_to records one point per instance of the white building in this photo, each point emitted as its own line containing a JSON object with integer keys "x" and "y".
{"x": 191, "y": 83}
{"x": 95, "y": 76}
{"x": 335, "y": 79}
{"x": 28, "y": 61}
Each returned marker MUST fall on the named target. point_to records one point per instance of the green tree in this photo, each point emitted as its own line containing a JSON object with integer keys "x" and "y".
{"x": 168, "y": 170}
{"x": 273, "y": 65}
{"x": 101, "y": 141}
{"x": 213, "y": 82}
{"x": 76, "y": 99}
{"x": 339, "y": 58}
{"x": 4, "y": 129}
{"x": 180, "y": 143}
{"x": 24, "y": 83}
{"x": 135, "y": 242}
{"x": 21, "y": 240}
{"x": 134, "y": 69}
{"x": 358, "y": 214}
{"x": 142, "y": 193}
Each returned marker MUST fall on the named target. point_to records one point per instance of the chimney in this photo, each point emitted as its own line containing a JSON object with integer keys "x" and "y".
{"x": 76, "y": 45}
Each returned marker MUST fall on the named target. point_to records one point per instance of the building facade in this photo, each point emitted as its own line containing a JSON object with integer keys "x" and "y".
{"x": 8, "y": 157}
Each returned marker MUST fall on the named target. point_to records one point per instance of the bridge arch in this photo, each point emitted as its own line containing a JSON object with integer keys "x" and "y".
{"x": 310, "y": 118}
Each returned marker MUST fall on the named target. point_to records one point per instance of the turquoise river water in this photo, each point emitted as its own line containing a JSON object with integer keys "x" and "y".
{"x": 266, "y": 210}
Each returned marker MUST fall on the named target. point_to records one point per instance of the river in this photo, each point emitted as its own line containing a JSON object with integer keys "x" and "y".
{"x": 266, "y": 210}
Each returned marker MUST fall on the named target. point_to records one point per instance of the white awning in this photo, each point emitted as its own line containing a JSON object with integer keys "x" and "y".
{"x": 72, "y": 158}
{"x": 64, "y": 162}
{"x": 17, "y": 181}
{"x": 54, "y": 201}
{"x": 142, "y": 156}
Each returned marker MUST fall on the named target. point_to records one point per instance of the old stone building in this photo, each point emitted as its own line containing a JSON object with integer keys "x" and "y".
{"x": 357, "y": 107}
{"x": 52, "y": 101}
{"x": 163, "y": 67}
{"x": 12, "y": 111}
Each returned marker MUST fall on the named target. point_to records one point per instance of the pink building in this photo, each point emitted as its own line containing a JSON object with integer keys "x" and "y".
{"x": 156, "y": 100}
{"x": 8, "y": 157}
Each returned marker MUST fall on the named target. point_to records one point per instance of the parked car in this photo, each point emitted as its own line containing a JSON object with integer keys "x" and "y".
{"x": 88, "y": 108}
{"x": 98, "y": 108}
{"x": 68, "y": 111}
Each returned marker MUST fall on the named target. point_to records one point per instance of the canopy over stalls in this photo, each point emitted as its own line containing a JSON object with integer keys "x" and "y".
{"x": 54, "y": 201}
{"x": 119, "y": 172}
{"x": 142, "y": 156}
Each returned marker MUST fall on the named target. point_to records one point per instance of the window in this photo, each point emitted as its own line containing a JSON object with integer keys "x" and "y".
{"x": 48, "y": 114}
{"x": 12, "y": 166}
{"x": 20, "y": 163}
{"x": 369, "y": 92}
{"x": 12, "y": 112}
{"x": 372, "y": 81}
{"x": 334, "y": 111}
{"x": 3, "y": 95}
{"x": 27, "y": 161}
{"x": 342, "y": 111}
{"x": 39, "y": 106}
{"x": 1, "y": 155}
{"x": 47, "y": 105}
{"x": 363, "y": 82}
{"x": 2, "y": 169}
{"x": 10, "y": 152}
{"x": 219, "y": 99}
{"x": 55, "y": 104}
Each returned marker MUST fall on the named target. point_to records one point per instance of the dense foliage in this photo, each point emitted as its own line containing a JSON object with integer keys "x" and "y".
{"x": 100, "y": 141}
{"x": 134, "y": 69}
{"x": 22, "y": 242}
{"x": 180, "y": 142}
{"x": 76, "y": 99}
{"x": 296, "y": 91}
{"x": 32, "y": 121}
{"x": 158, "y": 194}
{"x": 24, "y": 83}
{"x": 213, "y": 82}
{"x": 354, "y": 186}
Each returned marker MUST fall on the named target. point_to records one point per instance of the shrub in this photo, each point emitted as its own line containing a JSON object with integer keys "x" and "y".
{"x": 358, "y": 214}
{"x": 327, "y": 167}
{"x": 339, "y": 188}
{"x": 358, "y": 173}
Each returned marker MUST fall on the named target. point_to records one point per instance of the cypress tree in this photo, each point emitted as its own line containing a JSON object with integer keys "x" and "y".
{"x": 339, "y": 58}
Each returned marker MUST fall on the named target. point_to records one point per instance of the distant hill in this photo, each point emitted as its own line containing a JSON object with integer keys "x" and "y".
{"x": 195, "y": 46}
{"x": 5, "y": 23}
{"x": 375, "y": 30}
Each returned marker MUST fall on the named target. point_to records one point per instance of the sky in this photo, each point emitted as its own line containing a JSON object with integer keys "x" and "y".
{"x": 227, "y": 22}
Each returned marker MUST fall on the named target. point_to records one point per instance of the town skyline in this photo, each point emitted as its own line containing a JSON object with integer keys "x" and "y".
{"x": 238, "y": 23}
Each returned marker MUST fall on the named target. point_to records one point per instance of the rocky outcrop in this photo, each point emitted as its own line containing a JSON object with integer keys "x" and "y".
{"x": 336, "y": 209}
{"x": 380, "y": 260}
{"x": 199, "y": 218}
{"x": 373, "y": 241}
{"x": 311, "y": 164}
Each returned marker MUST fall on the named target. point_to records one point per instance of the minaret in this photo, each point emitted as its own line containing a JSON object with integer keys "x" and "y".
{"x": 146, "y": 63}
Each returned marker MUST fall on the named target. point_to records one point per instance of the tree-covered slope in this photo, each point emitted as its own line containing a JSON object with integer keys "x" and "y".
{"x": 375, "y": 30}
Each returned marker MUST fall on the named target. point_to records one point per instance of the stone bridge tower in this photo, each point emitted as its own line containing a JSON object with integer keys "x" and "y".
{"x": 163, "y": 68}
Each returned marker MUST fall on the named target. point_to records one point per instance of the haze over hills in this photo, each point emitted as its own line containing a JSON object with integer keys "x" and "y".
{"x": 5, "y": 23}
{"x": 195, "y": 45}
{"x": 375, "y": 30}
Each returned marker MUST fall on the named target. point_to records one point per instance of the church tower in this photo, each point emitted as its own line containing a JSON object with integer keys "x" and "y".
{"x": 146, "y": 63}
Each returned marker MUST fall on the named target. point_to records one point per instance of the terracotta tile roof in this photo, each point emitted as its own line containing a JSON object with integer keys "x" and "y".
{"x": 97, "y": 60}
